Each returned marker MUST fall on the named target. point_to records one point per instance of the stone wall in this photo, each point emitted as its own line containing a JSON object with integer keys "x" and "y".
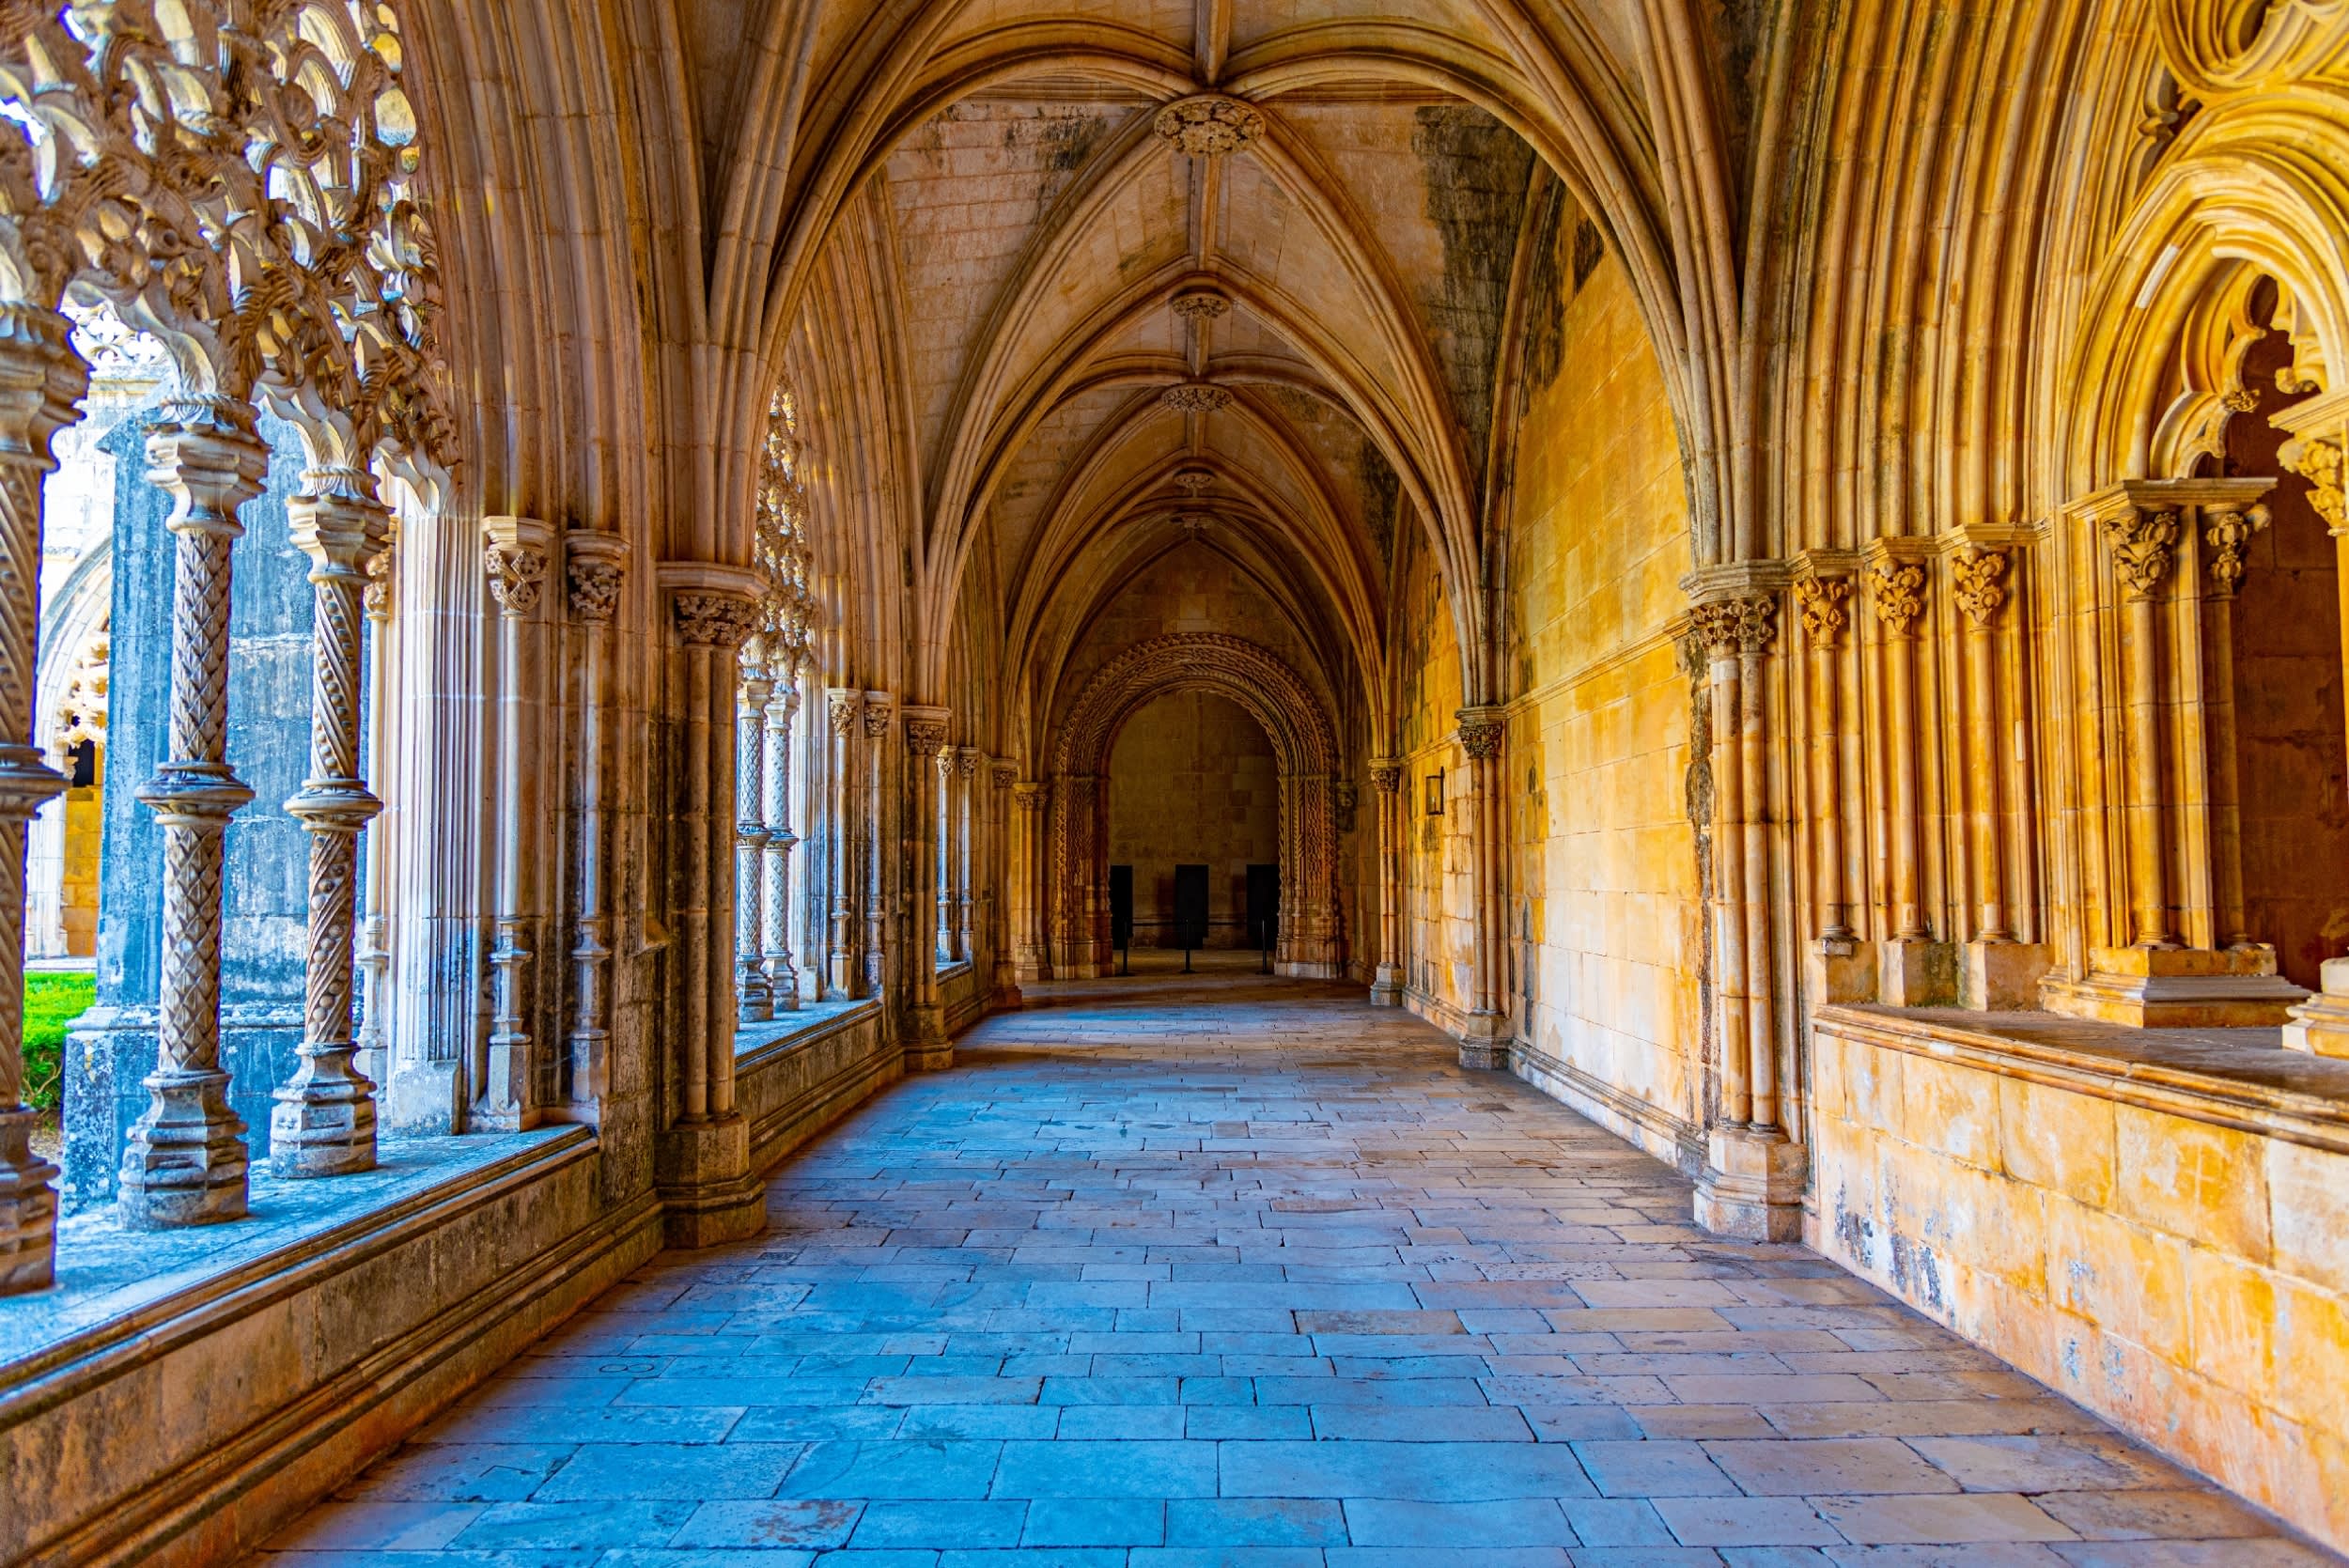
{"x": 1192, "y": 780}
{"x": 1606, "y": 907}
{"x": 1438, "y": 899}
{"x": 2152, "y": 1223}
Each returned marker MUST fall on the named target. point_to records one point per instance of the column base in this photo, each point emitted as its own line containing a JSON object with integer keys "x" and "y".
{"x": 1484, "y": 1042}
{"x": 1751, "y": 1185}
{"x": 1916, "y": 971}
{"x": 929, "y": 1056}
{"x": 1839, "y": 969}
{"x": 28, "y": 1209}
{"x": 1386, "y": 987}
{"x": 2319, "y": 1025}
{"x": 1007, "y": 998}
{"x": 184, "y": 1161}
{"x": 2178, "y": 988}
{"x": 323, "y": 1123}
{"x": 708, "y": 1193}
{"x": 2000, "y": 976}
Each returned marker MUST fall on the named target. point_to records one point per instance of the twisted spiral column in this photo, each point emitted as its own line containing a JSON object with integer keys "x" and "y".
{"x": 782, "y": 976}
{"x": 183, "y": 1161}
{"x": 323, "y": 1123}
{"x": 754, "y": 1000}
{"x": 40, "y": 381}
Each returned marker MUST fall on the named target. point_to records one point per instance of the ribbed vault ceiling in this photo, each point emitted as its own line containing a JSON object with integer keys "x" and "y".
{"x": 1287, "y": 349}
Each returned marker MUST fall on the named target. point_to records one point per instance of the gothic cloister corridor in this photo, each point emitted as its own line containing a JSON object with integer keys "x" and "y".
{"x": 1224, "y": 1270}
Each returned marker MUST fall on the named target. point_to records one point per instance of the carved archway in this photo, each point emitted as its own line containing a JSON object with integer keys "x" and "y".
{"x": 1311, "y": 934}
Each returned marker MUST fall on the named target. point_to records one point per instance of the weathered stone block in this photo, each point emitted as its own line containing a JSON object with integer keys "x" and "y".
{"x": 2308, "y": 1199}
{"x": 2057, "y": 1140}
{"x": 2205, "y": 1183}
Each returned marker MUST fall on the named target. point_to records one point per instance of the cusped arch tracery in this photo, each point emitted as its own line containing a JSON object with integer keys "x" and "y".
{"x": 1279, "y": 698}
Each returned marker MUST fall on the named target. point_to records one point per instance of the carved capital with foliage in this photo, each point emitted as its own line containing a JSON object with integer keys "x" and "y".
{"x": 2145, "y": 547}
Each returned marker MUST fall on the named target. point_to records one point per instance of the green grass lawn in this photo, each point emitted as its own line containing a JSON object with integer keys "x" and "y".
{"x": 52, "y": 1002}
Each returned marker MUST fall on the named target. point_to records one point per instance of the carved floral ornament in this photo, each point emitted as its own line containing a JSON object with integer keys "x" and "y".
{"x": 2320, "y": 463}
{"x": 1201, "y": 304}
{"x": 715, "y": 620}
{"x": 1822, "y": 599}
{"x": 1481, "y": 735}
{"x": 780, "y": 541}
{"x": 1733, "y": 626}
{"x": 595, "y": 588}
{"x": 2144, "y": 548}
{"x": 1896, "y": 592}
{"x": 1980, "y": 591}
{"x": 2229, "y": 531}
{"x": 1209, "y": 125}
{"x": 238, "y": 178}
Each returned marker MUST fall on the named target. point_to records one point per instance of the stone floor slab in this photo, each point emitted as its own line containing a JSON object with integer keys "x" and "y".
{"x": 1239, "y": 1272}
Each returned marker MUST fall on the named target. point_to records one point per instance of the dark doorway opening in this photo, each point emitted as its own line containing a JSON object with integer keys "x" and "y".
{"x": 1264, "y": 905}
{"x": 1191, "y": 905}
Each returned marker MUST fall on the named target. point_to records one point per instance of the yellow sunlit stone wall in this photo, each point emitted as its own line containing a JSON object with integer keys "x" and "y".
{"x": 1438, "y": 900}
{"x": 1604, "y": 895}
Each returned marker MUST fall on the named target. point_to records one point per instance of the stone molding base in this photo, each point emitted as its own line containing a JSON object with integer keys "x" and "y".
{"x": 2177, "y": 988}
{"x": 1656, "y": 1131}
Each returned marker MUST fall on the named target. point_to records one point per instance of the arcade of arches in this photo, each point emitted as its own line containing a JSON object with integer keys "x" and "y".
{"x": 590, "y": 584}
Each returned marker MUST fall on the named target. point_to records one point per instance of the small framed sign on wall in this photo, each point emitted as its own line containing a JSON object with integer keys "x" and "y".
{"x": 1435, "y": 794}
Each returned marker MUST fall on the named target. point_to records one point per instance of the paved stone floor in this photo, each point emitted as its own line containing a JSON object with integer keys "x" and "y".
{"x": 1231, "y": 1271}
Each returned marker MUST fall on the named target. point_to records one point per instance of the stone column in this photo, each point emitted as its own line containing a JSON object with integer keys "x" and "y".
{"x": 1912, "y": 969}
{"x": 711, "y": 624}
{"x": 880, "y": 897}
{"x": 782, "y": 713}
{"x": 323, "y": 1123}
{"x": 1751, "y": 1183}
{"x": 929, "y": 768}
{"x": 1030, "y": 799}
{"x": 966, "y": 834}
{"x": 374, "y": 957}
{"x": 1386, "y": 779}
{"x": 515, "y": 553}
{"x": 597, "y": 573}
{"x": 2145, "y": 547}
{"x": 1482, "y": 731}
{"x": 753, "y": 998}
{"x": 1002, "y": 871}
{"x": 183, "y": 1161}
{"x": 41, "y": 380}
{"x": 845, "y": 712}
{"x": 1837, "y": 966}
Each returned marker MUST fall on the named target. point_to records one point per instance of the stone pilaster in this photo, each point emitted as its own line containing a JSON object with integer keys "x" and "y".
{"x": 184, "y": 1162}
{"x": 41, "y": 380}
{"x": 959, "y": 860}
{"x": 599, "y": 573}
{"x": 781, "y": 714}
{"x": 323, "y": 1123}
{"x": 1031, "y": 801}
{"x": 504, "y": 1094}
{"x": 844, "y": 719}
{"x": 1002, "y": 862}
{"x": 1486, "y": 1041}
{"x": 1386, "y": 779}
{"x": 880, "y": 897}
{"x": 929, "y": 767}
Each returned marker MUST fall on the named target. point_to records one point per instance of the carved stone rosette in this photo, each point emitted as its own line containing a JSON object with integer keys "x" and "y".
{"x": 183, "y": 1161}
{"x": 323, "y": 1122}
{"x": 1209, "y": 125}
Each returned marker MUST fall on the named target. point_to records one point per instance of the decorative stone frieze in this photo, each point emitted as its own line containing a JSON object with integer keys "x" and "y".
{"x": 1209, "y": 125}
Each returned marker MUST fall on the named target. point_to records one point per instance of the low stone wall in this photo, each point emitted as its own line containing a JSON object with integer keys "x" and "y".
{"x": 178, "y": 1396}
{"x": 2154, "y": 1222}
{"x": 809, "y": 1072}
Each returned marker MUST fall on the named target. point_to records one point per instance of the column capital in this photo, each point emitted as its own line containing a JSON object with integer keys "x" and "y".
{"x": 598, "y": 564}
{"x": 1032, "y": 794}
{"x": 926, "y": 728}
{"x": 1896, "y": 593}
{"x": 1002, "y": 772}
{"x": 967, "y": 760}
{"x": 515, "y": 550}
{"x": 2228, "y": 531}
{"x": 206, "y": 453}
{"x": 337, "y": 522}
{"x": 1981, "y": 578}
{"x": 1822, "y": 600}
{"x": 878, "y": 707}
{"x": 1385, "y": 774}
{"x": 42, "y": 379}
{"x": 1482, "y": 728}
{"x": 843, "y": 706}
